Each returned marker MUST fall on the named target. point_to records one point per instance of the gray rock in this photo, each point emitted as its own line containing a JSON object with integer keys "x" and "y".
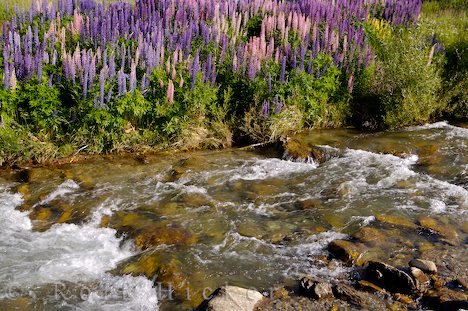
{"x": 232, "y": 298}
{"x": 425, "y": 265}
{"x": 390, "y": 278}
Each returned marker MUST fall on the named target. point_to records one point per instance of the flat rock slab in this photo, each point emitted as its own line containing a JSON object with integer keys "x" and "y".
{"x": 233, "y": 298}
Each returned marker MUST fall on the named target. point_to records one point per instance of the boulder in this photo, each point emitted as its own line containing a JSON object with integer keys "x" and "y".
{"x": 315, "y": 288}
{"x": 389, "y": 277}
{"x": 232, "y": 298}
{"x": 425, "y": 265}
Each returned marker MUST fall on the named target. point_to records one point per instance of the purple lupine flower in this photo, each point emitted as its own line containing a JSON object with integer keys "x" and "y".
{"x": 207, "y": 72}
{"x": 144, "y": 82}
{"x": 102, "y": 81}
{"x": 269, "y": 84}
{"x": 92, "y": 71}
{"x": 122, "y": 82}
{"x": 109, "y": 96}
{"x": 283, "y": 69}
{"x": 266, "y": 108}
{"x": 133, "y": 78}
{"x": 278, "y": 106}
{"x": 39, "y": 70}
{"x": 112, "y": 66}
{"x": 194, "y": 69}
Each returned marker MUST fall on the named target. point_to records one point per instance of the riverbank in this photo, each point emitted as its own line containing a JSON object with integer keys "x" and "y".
{"x": 222, "y": 87}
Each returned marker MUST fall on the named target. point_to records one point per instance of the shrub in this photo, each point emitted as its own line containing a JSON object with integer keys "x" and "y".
{"x": 404, "y": 84}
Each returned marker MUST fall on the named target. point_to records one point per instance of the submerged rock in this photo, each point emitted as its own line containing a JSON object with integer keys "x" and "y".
{"x": 232, "y": 298}
{"x": 389, "y": 277}
{"x": 345, "y": 250}
{"x": 395, "y": 221}
{"x": 154, "y": 235}
{"x": 370, "y": 235}
{"x": 448, "y": 234}
{"x": 169, "y": 272}
{"x": 425, "y": 265}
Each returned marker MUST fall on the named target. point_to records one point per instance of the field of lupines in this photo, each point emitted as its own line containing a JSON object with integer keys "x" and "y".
{"x": 182, "y": 70}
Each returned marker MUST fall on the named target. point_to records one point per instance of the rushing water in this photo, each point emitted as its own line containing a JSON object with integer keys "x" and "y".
{"x": 68, "y": 233}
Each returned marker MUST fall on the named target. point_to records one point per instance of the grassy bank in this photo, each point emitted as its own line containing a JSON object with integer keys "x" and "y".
{"x": 73, "y": 84}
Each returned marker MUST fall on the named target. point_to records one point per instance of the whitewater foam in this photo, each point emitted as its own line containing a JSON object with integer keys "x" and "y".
{"x": 75, "y": 254}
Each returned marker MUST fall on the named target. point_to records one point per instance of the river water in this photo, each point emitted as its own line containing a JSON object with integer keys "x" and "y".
{"x": 99, "y": 235}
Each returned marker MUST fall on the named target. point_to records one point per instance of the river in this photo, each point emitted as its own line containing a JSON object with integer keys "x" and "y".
{"x": 97, "y": 235}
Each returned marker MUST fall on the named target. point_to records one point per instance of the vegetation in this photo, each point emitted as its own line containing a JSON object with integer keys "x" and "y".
{"x": 79, "y": 76}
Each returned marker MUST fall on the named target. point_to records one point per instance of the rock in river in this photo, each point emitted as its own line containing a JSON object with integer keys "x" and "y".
{"x": 389, "y": 277}
{"x": 422, "y": 281}
{"x": 232, "y": 298}
{"x": 315, "y": 288}
{"x": 345, "y": 250}
{"x": 154, "y": 235}
{"x": 425, "y": 265}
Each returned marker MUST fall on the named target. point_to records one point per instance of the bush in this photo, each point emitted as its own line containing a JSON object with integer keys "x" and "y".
{"x": 402, "y": 87}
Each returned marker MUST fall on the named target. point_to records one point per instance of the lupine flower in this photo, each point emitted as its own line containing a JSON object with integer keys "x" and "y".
{"x": 283, "y": 69}
{"x": 153, "y": 33}
{"x": 102, "y": 81}
{"x": 266, "y": 108}
{"x": 194, "y": 69}
{"x": 170, "y": 92}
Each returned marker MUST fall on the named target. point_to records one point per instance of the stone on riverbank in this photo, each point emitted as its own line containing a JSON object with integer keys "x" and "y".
{"x": 232, "y": 298}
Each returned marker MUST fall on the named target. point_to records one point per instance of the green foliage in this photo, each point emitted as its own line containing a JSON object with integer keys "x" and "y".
{"x": 309, "y": 101}
{"x": 448, "y": 19}
{"x": 406, "y": 79}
